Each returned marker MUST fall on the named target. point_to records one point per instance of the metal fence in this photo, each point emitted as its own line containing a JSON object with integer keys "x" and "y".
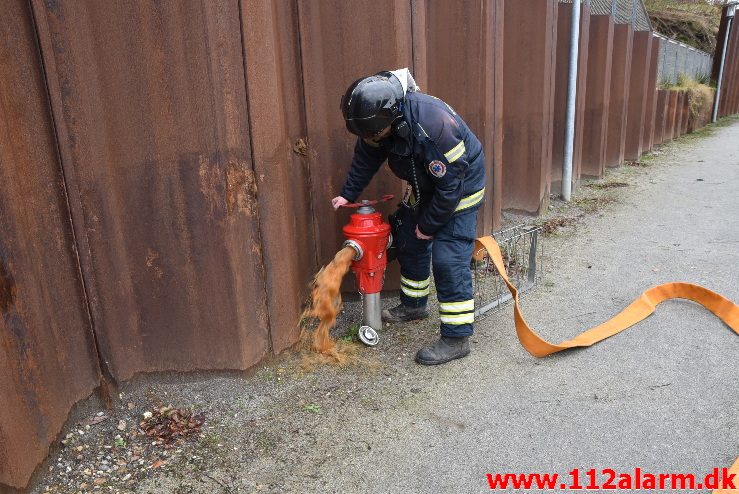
{"x": 623, "y": 11}
{"x": 522, "y": 254}
{"x": 674, "y": 58}
{"x": 677, "y": 58}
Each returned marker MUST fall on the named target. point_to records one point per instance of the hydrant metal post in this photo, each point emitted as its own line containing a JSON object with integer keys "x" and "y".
{"x": 369, "y": 236}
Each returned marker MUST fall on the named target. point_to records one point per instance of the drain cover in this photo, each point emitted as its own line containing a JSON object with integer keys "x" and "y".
{"x": 368, "y": 336}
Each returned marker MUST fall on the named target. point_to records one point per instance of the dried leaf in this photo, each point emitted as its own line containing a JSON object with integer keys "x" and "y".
{"x": 95, "y": 419}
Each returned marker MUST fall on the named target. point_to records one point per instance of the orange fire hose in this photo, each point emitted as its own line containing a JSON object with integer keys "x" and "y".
{"x": 723, "y": 308}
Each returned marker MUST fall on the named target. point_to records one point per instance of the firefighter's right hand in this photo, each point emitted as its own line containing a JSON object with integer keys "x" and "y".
{"x": 338, "y": 201}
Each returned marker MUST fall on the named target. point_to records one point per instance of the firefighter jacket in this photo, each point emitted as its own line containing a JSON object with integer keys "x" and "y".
{"x": 435, "y": 152}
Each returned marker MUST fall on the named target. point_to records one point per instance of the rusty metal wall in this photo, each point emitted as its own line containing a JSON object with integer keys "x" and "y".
{"x": 277, "y": 123}
{"x": 732, "y": 101}
{"x": 457, "y": 33}
{"x": 685, "y": 115}
{"x": 637, "y": 104}
{"x": 597, "y": 95}
{"x": 734, "y": 81}
{"x": 47, "y": 355}
{"x": 671, "y": 115}
{"x": 716, "y": 65}
{"x": 528, "y": 103}
{"x": 651, "y": 101}
{"x": 150, "y": 108}
{"x": 341, "y": 41}
{"x": 617, "y": 109}
{"x": 729, "y": 98}
{"x": 564, "y": 24}
{"x": 660, "y": 116}
{"x": 676, "y": 101}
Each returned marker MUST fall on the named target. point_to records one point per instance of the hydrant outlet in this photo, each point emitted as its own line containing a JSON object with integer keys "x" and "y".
{"x": 358, "y": 250}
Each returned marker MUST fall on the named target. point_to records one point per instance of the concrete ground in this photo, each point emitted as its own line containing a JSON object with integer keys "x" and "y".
{"x": 661, "y": 396}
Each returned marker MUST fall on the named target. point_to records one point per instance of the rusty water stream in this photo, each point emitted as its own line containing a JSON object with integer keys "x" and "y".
{"x": 324, "y": 306}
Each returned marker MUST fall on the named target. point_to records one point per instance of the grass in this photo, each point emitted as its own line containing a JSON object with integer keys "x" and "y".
{"x": 725, "y": 121}
{"x": 606, "y": 185}
{"x": 593, "y": 204}
{"x": 352, "y": 333}
{"x": 693, "y": 22}
{"x": 266, "y": 374}
{"x": 700, "y": 95}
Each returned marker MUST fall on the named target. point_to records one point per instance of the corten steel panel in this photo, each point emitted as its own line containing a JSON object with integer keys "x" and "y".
{"x": 47, "y": 355}
{"x": 649, "y": 118}
{"x": 735, "y": 63}
{"x": 419, "y": 40}
{"x": 637, "y": 104}
{"x": 686, "y": 114}
{"x": 660, "y": 115}
{"x": 671, "y": 114}
{"x": 734, "y": 83}
{"x": 277, "y": 122}
{"x": 730, "y": 79}
{"x": 467, "y": 27}
{"x": 676, "y": 129}
{"x": 677, "y": 115}
{"x": 731, "y": 62}
{"x": 150, "y": 109}
{"x": 342, "y": 41}
{"x": 564, "y": 24}
{"x": 528, "y": 103}
{"x": 617, "y": 110}
{"x": 597, "y": 95}
{"x": 716, "y": 65}
{"x": 732, "y": 99}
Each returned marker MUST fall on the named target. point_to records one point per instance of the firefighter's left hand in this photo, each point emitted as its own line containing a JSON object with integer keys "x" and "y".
{"x": 421, "y": 235}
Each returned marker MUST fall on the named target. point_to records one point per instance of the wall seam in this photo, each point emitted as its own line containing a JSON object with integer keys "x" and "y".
{"x": 256, "y": 188}
{"x": 106, "y": 380}
{"x": 309, "y": 173}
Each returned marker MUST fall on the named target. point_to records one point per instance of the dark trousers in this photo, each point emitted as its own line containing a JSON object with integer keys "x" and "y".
{"x": 450, "y": 253}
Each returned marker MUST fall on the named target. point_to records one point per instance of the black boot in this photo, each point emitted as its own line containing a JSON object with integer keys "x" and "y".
{"x": 402, "y": 313}
{"x": 444, "y": 350}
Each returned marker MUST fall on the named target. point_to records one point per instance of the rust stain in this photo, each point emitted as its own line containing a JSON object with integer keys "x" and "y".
{"x": 210, "y": 174}
{"x": 7, "y": 289}
{"x": 151, "y": 256}
{"x": 241, "y": 189}
{"x": 236, "y": 181}
{"x": 3, "y": 449}
{"x": 301, "y": 146}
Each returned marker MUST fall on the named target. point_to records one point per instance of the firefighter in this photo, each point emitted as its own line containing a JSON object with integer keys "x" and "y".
{"x": 428, "y": 145}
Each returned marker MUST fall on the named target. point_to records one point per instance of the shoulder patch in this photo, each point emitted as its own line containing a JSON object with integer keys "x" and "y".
{"x": 437, "y": 169}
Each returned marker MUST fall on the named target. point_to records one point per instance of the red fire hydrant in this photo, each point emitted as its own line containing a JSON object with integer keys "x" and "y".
{"x": 370, "y": 237}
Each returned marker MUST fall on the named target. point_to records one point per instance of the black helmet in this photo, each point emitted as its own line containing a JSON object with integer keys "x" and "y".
{"x": 371, "y": 104}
